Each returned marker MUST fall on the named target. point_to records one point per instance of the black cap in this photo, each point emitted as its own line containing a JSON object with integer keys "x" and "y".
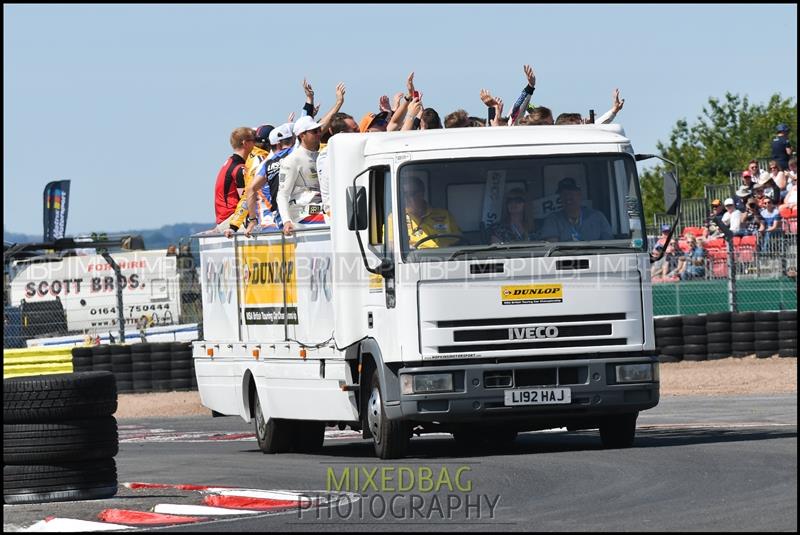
{"x": 567, "y": 184}
{"x": 262, "y": 133}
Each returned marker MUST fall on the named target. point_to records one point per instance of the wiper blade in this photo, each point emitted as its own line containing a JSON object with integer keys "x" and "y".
{"x": 501, "y": 247}
{"x": 585, "y": 246}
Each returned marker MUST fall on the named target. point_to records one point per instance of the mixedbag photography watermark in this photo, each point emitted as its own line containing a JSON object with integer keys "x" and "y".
{"x": 393, "y": 493}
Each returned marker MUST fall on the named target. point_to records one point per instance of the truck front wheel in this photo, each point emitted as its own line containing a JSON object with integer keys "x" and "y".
{"x": 390, "y": 436}
{"x": 273, "y": 435}
{"x": 618, "y": 431}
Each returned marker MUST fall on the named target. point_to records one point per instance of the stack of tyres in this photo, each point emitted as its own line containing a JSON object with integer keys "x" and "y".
{"x": 161, "y": 366}
{"x": 101, "y": 358}
{"x": 765, "y": 334}
{"x": 59, "y": 437}
{"x": 742, "y": 336}
{"x": 181, "y": 372}
{"x": 82, "y": 359}
{"x": 787, "y": 333}
{"x": 694, "y": 338}
{"x": 140, "y": 366}
{"x": 121, "y": 367}
{"x": 718, "y": 335}
{"x": 669, "y": 339}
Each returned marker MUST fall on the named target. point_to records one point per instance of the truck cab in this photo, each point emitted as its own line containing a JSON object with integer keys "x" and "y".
{"x": 477, "y": 281}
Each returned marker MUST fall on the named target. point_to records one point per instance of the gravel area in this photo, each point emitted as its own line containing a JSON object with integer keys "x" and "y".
{"x": 715, "y": 377}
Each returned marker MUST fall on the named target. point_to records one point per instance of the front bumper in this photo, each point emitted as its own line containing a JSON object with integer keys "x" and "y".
{"x": 592, "y": 382}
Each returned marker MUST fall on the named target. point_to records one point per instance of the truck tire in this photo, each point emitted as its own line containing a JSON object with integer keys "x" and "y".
{"x": 719, "y": 337}
{"x": 618, "y": 431}
{"x": 662, "y": 332}
{"x": 307, "y": 436}
{"x": 693, "y": 330}
{"x": 67, "y": 441}
{"x": 391, "y": 437}
{"x": 273, "y": 435}
{"x": 668, "y": 321}
{"x": 39, "y": 483}
{"x": 718, "y": 327}
{"x": 724, "y": 317}
{"x": 60, "y": 396}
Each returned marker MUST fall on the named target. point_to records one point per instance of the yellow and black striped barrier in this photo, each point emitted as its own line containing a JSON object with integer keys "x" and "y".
{"x": 36, "y": 361}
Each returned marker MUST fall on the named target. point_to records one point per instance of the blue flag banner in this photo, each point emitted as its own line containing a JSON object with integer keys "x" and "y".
{"x": 56, "y": 204}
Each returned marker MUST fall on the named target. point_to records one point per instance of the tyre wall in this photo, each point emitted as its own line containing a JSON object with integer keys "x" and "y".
{"x": 138, "y": 368}
{"x": 719, "y": 335}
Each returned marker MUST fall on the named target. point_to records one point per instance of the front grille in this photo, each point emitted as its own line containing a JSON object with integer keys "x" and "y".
{"x": 557, "y": 376}
{"x": 479, "y": 348}
{"x": 536, "y": 320}
{"x": 505, "y": 334}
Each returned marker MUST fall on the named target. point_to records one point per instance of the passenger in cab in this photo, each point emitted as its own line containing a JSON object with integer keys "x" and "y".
{"x": 513, "y": 224}
{"x": 574, "y": 222}
{"x": 423, "y": 221}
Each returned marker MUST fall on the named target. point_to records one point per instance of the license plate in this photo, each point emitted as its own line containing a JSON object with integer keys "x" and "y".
{"x": 538, "y": 396}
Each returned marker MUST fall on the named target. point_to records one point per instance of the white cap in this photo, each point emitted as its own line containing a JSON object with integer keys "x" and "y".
{"x": 728, "y": 202}
{"x": 280, "y": 133}
{"x": 304, "y": 124}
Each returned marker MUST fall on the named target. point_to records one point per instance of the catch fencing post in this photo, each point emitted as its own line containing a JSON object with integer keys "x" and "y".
{"x": 120, "y": 314}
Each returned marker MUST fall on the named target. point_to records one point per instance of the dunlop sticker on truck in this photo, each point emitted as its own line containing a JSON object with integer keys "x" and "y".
{"x": 531, "y": 294}
{"x": 268, "y": 276}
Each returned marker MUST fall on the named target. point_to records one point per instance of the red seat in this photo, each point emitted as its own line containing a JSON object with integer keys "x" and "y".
{"x": 719, "y": 268}
{"x": 718, "y": 243}
{"x": 744, "y": 253}
{"x": 718, "y": 254}
{"x": 749, "y": 240}
{"x": 697, "y": 231}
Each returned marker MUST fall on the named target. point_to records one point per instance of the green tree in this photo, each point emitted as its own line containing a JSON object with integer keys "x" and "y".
{"x": 725, "y": 137}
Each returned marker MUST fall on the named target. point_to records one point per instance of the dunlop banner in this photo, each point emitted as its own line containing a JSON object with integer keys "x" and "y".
{"x": 531, "y": 294}
{"x": 269, "y": 276}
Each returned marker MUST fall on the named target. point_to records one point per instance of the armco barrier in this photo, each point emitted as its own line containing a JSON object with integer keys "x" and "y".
{"x": 36, "y": 361}
{"x": 719, "y": 335}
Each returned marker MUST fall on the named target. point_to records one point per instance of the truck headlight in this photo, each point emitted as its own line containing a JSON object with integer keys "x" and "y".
{"x": 636, "y": 373}
{"x": 426, "y": 383}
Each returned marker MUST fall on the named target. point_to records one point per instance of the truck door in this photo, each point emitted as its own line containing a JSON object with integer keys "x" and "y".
{"x": 381, "y": 300}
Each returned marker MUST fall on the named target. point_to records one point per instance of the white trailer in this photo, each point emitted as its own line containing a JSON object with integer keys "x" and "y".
{"x": 391, "y": 326}
{"x": 87, "y": 288}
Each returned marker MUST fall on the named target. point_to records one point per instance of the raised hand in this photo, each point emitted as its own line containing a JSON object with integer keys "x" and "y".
{"x": 383, "y": 103}
{"x": 316, "y": 110}
{"x": 414, "y": 107}
{"x": 616, "y": 104}
{"x": 410, "y": 85}
{"x": 396, "y": 100}
{"x": 498, "y": 106}
{"x": 340, "y": 90}
{"x": 529, "y": 74}
{"x": 290, "y": 119}
{"x": 487, "y": 98}
{"x": 308, "y": 91}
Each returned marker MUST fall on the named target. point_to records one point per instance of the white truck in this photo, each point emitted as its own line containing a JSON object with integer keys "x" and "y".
{"x": 438, "y": 321}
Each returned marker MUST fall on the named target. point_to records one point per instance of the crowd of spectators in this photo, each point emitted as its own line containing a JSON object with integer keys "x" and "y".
{"x": 277, "y": 176}
{"x": 758, "y": 218}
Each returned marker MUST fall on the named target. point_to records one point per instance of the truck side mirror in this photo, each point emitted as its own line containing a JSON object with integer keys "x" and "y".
{"x": 670, "y": 193}
{"x": 357, "y": 208}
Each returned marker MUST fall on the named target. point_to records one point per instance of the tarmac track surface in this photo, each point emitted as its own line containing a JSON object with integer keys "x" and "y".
{"x": 698, "y": 463}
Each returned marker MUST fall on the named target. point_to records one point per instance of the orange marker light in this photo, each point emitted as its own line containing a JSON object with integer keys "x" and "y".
{"x": 303, "y": 353}
{"x": 210, "y": 351}
{"x": 256, "y": 353}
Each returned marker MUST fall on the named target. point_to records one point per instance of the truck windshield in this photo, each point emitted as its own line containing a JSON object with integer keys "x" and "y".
{"x": 531, "y": 205}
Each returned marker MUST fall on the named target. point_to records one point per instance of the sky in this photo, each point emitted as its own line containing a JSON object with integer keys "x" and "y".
{"x": 135, "y": 103}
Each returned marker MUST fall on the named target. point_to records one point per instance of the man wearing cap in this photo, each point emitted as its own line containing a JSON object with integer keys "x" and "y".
{"x": 781, "y": 148}
{"x": 264, "y": 188}
{"x": 299, "y": 198}
{"x": 574, "y": 222}
{"x": 743, "y": 194}
{"x": 732, "y": 217}
{"x": 711, "y": 230}
{"x": 374, "y": 122}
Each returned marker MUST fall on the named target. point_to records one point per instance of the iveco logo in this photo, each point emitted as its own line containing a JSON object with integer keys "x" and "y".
{"x": 526, "y": 333}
